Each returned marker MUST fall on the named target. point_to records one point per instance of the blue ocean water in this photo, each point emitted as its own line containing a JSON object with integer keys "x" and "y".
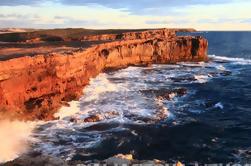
{"x": 210, "y": 123}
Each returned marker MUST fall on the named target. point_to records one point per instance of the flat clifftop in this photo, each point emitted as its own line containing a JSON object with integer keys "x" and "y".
{"x": 38, "y": 77}
{"x": 73, "y": 34}
{"x": 34, "y": 42}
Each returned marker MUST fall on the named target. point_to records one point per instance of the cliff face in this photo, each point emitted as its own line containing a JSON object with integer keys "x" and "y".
{"x": 35, "y": 87}
{"x": 157, "y": 51}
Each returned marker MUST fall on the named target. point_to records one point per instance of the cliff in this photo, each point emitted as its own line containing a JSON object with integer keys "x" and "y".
{"x": 77, "y": 34}
{"x": 36, "y": 87}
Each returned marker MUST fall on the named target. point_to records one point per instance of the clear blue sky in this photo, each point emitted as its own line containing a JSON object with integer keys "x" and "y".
{"x": 101, "y": 14}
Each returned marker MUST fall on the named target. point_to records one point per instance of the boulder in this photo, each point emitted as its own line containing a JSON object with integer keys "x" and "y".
{"x": 119, "y": 159}
{"x": 169, "y": 94}
{"x": 93, "y": 118}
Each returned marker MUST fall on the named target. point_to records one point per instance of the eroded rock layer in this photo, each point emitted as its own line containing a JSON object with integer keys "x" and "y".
{"x": 35, "y": 87}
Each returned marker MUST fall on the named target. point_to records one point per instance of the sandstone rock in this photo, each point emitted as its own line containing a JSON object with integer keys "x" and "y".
{"x": 93, "y": 118}
{"x": 152, "y": 162}
{"x": 37, "y": 160}
{"x": 111, "y": 114}
{"x": 162, "y": 114}
{"x": 156, "y": 161}
{"x": 119, "y": 159}
{"x": 126, "y": 156}
{"x": 179, "y": 163}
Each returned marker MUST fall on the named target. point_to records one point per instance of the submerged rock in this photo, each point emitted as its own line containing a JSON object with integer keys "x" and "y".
{"x": 111, "y": 114}
{"x": 169, "y": 94}
{"x": 181, "y": 91}
{"x": 93, "y": 118}
{"x": 183, "y": 79}
{"x": 221, "y": 73}
{"x": 226, "y": 73}
{"x": 73, "y": 120}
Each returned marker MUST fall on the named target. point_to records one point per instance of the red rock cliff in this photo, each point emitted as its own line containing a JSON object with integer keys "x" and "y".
{"x": 35, "y": 87}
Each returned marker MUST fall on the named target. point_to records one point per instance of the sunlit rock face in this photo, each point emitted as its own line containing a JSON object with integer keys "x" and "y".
{"x": 36, "y": 87}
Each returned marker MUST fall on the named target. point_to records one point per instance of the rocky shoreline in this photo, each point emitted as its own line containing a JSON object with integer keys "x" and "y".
{"x": 35, "y": 87}
{"x": 118, "y": 160}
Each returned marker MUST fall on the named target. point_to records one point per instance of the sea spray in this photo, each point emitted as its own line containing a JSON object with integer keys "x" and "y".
{"x": 15, "y": 137}
{"x": 67, "y": 111}
{"x": 99, "y": 86}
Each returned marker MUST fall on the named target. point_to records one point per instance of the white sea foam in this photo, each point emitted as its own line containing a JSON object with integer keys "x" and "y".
{"x": 219, "y": 105}
{"x": 240, "y": 61}
{"x": 15, "y": 137}
{"x": 201, "y": 78}
{"x": 220, "y": 67}
{"x": 193, "y": 64}
{"x": 128, "y": 72}
{"x": 98, "y": 86}
{"x": 74, "y": 107}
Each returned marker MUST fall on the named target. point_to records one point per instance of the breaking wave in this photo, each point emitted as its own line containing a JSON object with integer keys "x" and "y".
{"x": 15, "y": 138}
{"x": 201, "y": 78}
{"x": 240, "y": 61}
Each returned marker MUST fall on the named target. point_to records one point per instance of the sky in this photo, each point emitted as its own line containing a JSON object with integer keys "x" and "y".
{"x": 104, "y": 14}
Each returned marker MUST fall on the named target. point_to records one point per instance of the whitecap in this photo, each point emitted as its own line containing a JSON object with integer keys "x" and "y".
{"x": 67, "y": 111}
{"x": 219, "y": 105}
{"x": 192, "y": 64}
{"x": 201, "y": 78}
{"x": 220, "y": 67}
{"x": 240, "y": 61}
{"x": 99, "y": 86}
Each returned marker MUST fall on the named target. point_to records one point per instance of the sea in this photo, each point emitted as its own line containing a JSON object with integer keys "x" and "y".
{"x": 188, "y": 112}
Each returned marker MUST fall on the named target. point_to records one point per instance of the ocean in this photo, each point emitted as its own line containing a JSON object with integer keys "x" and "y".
{"x": 191, "y": 112}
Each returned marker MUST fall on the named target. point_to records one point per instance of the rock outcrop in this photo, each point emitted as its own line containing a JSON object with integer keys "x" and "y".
{"x": 35, "y": 87}
{"x": 120, "y": 159}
